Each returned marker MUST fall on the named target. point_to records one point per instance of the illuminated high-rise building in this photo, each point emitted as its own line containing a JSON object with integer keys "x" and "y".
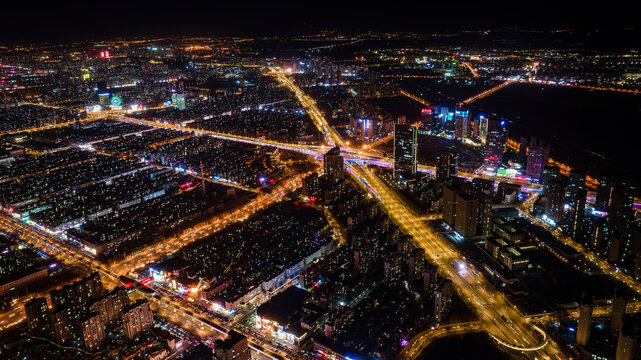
{"x": 466, "y": 214}
{"x": 405, "y": 147}
{"x": 333, "y": 163}
{"x": 537, "y": 157}
{"x": 578, "y": 213}
{"x": 576, "y": 182}
{"x": 585, "y": 323}
{"x": 461, "y": 124}
{"x": 38, "y": 316}
{"x": 310, "y": 184}
{"x": 136, "y": 318}
{"x": 93, "y": 331}
{"x": 446, "y": 165}
{"x": 392, "y": 269}
{"x": 416, "y": 264}
{"x": 549, "y": 173}
{"x": 442, "y": 300}
{"x": 62, "y": 327}
{"x": 494, "y": 144}
{"x": 484, "y": 214}
{"x": 450, "y": 193}
{"x": 598, "y": 236}
{"x": 554, "y": 205}
{"x": 622, "y": 199}
{"x": 603, "y": 191}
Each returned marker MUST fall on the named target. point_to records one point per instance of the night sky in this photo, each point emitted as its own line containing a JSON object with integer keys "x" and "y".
{"x": 63, "y": 21}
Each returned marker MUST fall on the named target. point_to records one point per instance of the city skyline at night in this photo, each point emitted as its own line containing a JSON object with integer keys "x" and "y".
{"x": 320, "y": 181}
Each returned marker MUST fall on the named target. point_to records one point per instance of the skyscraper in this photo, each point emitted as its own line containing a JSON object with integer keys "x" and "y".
{"x": 578, "y": 213}
{"x": 405, "y": 147}
{"x": 585, "y": 322}
{"x": 38, "y": 316}
{"x": 603, "y": 190}
{"x": 333, "y": 163}
{"x": 576, "y": 182}
{"x": 446, "y": 165}
{"x": 549, "y": 173}
{"x": 450, "y": 193}
{"x": 537, "y": 158}
{"x": 466, "y": 214}
{"x": 484, "y": 214}
{"x": 494, "y": 144}
{"x": 461, "y": 124}
{"x": 554, "y": 206}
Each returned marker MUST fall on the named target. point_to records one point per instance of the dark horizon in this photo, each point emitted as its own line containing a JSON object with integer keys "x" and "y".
{"x": 99, "y": 21}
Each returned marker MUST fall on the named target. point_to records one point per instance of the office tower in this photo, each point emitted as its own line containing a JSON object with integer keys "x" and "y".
{"x": 93, "y": 331}
{"x": 461, "y": 124}
{"x": 603, "y": 190}
{"x": 442, "y": 300}
{"x": 333, "y": 162}
{"x": 627, "y": 343}
{"x": 466, "y": 214}
{"x": 555, "y": 196}
{"x": 578, "y": 213}
{"x": 576, "y": 182}
{"x": 549, "y": 173}
{"x": 618, "y": 308}
{"x": 61, "y": 325}
{"x": 234, "y": 347}
{"x": 405, "y": 147}
{"x": 537, "y": 158}
{"x": 484, "y": 214}
{"x": 446, "y": 165}
{"x": 494, "y": 145}
{"x": 585, "y": 322}
{"x": 416, "y": 264}
{"x": 38, "y": 316}
{"x": 480, "y": 125}
{"x": 449, "y": 204}
{"x": 310, "y": 184}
